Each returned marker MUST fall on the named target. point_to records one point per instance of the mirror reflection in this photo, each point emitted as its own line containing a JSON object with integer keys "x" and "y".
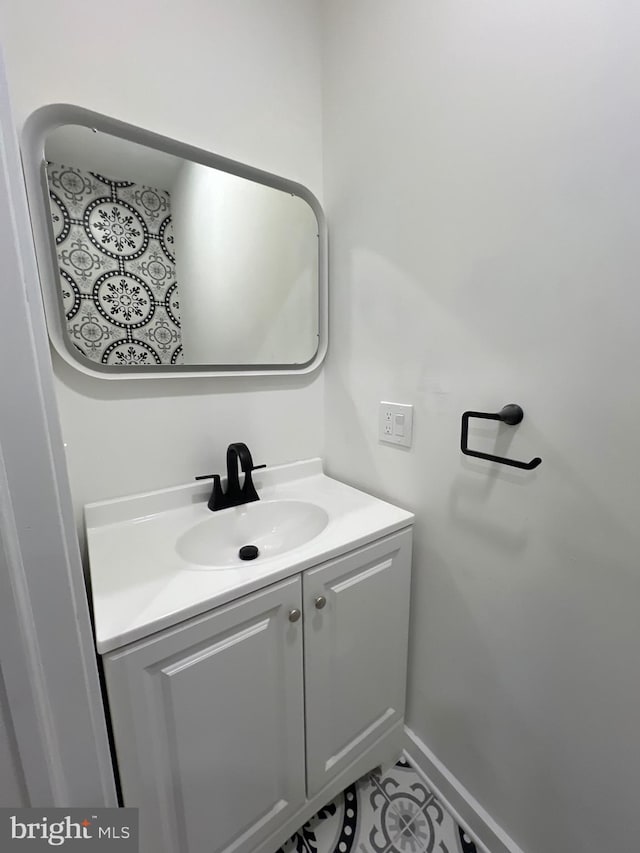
{"x": 162, "y": 261}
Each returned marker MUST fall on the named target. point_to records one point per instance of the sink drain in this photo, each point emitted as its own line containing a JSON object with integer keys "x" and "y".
{"x": 248, "y": 552}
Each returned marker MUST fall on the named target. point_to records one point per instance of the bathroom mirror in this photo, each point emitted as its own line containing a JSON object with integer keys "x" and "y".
{"x": 160, "y": 259}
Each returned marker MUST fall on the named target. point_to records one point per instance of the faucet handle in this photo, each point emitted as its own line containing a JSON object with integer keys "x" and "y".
{"x": 255, "y": 467}
{"x": 217, "y": 495}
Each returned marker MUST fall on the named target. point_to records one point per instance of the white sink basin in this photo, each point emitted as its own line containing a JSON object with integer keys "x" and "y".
{"x": 272, "y": 526}
{"x": 162, "y": 557}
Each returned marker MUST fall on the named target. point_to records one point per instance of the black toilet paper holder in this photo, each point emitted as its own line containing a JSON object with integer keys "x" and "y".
{"x": 510, "y": 414}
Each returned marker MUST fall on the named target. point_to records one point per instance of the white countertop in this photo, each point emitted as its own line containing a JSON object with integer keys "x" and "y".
{"x": 141, "y": 585}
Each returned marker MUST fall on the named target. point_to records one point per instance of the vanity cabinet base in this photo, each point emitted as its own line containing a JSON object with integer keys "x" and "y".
{"x": 232, "y": 729}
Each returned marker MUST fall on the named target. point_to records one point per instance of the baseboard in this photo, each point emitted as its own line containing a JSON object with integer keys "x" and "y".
{"x": 490, "y": 837}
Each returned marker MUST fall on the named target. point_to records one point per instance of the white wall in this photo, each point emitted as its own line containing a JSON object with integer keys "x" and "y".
{"x": 482, "y": 186}
{"x": 247, "y": 265}
{"x": 241, "y": 79}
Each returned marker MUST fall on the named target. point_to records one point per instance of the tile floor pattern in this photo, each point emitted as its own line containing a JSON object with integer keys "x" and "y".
{"x": 393, "y": 813}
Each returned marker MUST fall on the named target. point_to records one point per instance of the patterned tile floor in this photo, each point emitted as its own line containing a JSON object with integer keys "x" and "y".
{"x": 394, "y": 813}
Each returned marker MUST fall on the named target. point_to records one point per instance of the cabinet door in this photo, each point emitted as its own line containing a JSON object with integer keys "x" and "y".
{"x": 355, "y": 653}
{"x": 209, "y": 726}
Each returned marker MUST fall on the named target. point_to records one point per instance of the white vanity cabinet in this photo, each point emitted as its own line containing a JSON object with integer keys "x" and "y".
{"x": 233, "y": 728}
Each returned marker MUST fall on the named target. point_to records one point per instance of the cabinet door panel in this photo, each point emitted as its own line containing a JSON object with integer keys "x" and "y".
{"x": 355, "y": 653}
{"x": 209, "y": 725}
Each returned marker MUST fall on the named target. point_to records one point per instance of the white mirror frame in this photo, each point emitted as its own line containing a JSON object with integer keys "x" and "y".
{"x": 45, "y": 119}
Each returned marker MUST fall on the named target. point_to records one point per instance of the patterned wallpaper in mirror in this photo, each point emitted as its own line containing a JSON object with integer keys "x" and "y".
{"x": 116, "y": 260}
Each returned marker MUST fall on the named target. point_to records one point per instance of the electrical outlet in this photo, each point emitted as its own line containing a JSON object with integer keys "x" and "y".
{"x": 386, "y": 425}
{"x": 395, "y": 423}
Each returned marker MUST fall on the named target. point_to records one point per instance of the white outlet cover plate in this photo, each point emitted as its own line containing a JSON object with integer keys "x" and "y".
{"x": 395, "y": 423}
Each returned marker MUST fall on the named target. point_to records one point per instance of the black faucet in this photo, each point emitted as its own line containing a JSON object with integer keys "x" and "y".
{"x": 235, "y": 495}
